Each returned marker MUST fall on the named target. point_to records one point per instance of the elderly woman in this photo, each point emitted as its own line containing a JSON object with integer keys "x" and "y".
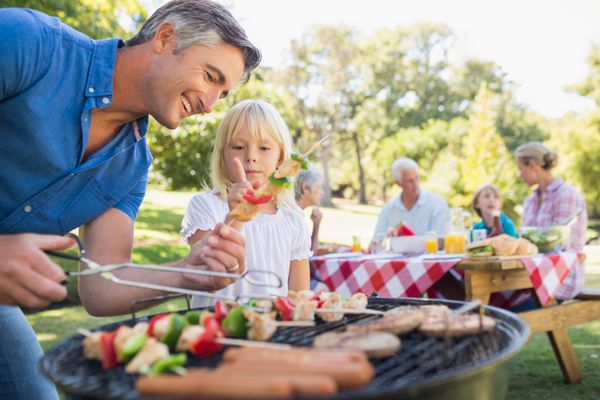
{"x": 309, "y": 190}
{"x": 551, "y": 203}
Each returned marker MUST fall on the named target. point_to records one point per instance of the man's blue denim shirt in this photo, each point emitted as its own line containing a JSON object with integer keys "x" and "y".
{"x": 51, "y": 77}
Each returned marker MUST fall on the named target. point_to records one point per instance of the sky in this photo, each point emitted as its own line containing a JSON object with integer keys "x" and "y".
{"x": 542, "y": 45}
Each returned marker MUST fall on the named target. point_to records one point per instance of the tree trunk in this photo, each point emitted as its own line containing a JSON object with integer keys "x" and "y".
{"x": 324, "y": 156}
{"x": 362, "y": 197}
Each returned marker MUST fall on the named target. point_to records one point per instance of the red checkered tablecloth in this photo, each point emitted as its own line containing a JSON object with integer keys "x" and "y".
{"x": 387, "y": 275}
{"x": 548, "y": 271}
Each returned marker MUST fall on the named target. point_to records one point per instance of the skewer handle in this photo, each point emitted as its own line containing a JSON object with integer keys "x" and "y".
{"x": 314, "y": 146}
{"x": 85, "y": 332}
{"x": 252, "y": 343}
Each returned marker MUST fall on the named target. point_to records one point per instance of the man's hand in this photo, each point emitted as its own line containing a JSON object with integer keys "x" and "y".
{"x": 222, "y": 251}
{"x": 28, "y": 277}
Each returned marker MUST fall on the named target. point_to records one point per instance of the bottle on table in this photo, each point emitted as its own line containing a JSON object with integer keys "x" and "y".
{"x": 356, "y": 244}
{"x": 497, "y": 225}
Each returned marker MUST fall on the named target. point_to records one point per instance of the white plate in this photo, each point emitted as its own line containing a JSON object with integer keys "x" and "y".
{"x": 341, "y": 255}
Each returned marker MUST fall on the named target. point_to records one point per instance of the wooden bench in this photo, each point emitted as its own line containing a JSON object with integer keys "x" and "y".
{"x": 482, "y": 278}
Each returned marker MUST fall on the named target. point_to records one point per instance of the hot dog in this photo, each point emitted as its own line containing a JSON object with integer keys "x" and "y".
{"x": 346, "y": 375}
{"x": 303, "y": 384}
{"x": 308, "y": 355}
{"x": 207, "y": 383}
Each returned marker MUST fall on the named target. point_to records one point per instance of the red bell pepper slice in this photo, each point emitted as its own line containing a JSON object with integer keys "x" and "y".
{"x": 262, "y": 199}
{"x": 220, "y": 311}
{"x": 206, "y": 343}
{"x": 285, "y": 307}
{"x": 109, "y": 355}
{"x": 153, "y": 321}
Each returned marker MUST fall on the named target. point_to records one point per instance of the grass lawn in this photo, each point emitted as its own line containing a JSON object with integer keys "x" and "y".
{"x": 534, "y": 372}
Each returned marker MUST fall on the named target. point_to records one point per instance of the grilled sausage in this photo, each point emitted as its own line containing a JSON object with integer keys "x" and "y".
{"x": 346, "y": 375}
{"x": 201, "y": 383}
{"x": 306, "y": 355}
{"x": 303, "y": 384}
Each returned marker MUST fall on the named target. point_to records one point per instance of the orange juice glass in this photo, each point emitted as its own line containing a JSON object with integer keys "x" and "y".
{"x": 431, "y": 242}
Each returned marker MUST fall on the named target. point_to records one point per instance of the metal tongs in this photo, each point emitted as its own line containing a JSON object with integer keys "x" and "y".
{"x": 106, "y": 271}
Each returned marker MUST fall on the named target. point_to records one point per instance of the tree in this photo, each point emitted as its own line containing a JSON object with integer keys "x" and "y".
{"x": 97, "y": 19}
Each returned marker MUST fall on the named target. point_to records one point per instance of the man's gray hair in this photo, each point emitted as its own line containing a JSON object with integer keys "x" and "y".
{"x": 307, "y": 177}
{"x": 200, "y": 22}
{"x": 403, "y": 164}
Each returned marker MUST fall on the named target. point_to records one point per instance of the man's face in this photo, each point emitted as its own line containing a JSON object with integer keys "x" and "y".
{"x": 192, "y": 82}
{"x": 409, "y": 182}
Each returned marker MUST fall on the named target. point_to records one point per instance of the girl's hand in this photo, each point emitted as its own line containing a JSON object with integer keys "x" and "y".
{"x": 240, "y": 185}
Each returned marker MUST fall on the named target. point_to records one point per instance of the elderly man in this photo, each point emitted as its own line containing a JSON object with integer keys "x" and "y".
{"x": 74, "y": 116}
{"x": 420, "y": 210}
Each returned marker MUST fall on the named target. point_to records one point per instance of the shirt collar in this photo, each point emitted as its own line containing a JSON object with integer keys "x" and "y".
{"x": 420, "y": 201}
{"x": 102, "y": 68}
{"x": 554, "y": 185}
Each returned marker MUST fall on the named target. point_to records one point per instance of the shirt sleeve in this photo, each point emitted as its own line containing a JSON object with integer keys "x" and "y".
{"x": 568, "y": 202}
{"x": 25, "y": 47}
{"x": 301, "y": 241}
{"x": 131, "y": 203}
{"x": 508, "y": 226}
{"x": 200, "y": 214}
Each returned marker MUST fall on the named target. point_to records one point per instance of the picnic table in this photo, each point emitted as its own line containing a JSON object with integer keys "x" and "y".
{"x": 394, "y": 275}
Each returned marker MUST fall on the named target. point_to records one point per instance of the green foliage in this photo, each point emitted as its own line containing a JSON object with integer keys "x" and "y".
{"x": 97, "y": 19}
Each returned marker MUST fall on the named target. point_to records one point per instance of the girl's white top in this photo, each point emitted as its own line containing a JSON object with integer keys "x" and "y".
{"x": 272, "y": 241}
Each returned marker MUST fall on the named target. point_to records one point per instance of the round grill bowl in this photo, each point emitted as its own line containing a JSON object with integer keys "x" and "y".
{"x": 474, "y": 367}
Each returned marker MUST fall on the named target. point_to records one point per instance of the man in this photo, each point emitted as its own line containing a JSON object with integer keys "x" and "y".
{"x": 420, "y": 210}
{"x": 73, "y": 116}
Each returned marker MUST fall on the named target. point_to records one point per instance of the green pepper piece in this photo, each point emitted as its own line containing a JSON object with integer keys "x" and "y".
{"x": 284, "y": 182}
{"x": 193, "y": 317}
{"x": 168, "y": 364}
{"x": 176, "y": 325}
{"x": 300, "y": 158}
{"x": 235, "y": 324}
{"x": 252, "y": 303}
{"x": 133, "y": 345}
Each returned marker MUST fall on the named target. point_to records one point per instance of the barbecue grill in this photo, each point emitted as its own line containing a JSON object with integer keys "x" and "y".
{"x": 473, "y": 367}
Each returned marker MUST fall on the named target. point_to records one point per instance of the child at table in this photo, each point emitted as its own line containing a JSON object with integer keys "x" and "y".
{"x": 486, "y": 201}
{"x": 251, "y": 142}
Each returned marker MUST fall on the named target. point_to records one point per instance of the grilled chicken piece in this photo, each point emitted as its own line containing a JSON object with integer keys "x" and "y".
{"x": 398, "y": 322}
{"x": 140, "y": 327}
{"x": 287, "y": 168}
{"x": 375, "y": 344}
{"x": 189, "y": 335}
{"x": 264, "y": 304}
{"x": 333, "y": 302}
{"x": 358, "y": 301}
{"x": 457, "y": 325}
{"x": 123, "y": 334}
{"x": 306, "y": 295}
{"x": 152, "y": 351}
{"x": 261, "y": 326}
{"x": 91, "y": 346}
{"x": 305, "y": 311}
{"x": 161, "y": 327}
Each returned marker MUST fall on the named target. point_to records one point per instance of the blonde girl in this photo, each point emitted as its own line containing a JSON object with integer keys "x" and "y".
{"x": 251, "y": 142}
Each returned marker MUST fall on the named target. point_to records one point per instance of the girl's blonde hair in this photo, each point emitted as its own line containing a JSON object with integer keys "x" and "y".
{"x": 538, "y": 153}
{"x": 264, "y": 122}
{"x": 478, "y": 194}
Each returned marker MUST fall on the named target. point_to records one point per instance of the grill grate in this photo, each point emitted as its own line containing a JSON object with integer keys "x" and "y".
{"x": 421, "y": 360}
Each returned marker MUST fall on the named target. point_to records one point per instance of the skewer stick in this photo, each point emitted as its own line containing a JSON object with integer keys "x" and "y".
{"x": 85, "y": 332}
{"x": 349, "y": 311}
{"x": 252, "y": 343}
{"x": 295, "y": 323}
{"x": 314, "y": 146}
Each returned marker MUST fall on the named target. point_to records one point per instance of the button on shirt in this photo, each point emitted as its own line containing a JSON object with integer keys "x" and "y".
{"x": 428, "y": 214}
{"x": 51, "y": 78}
